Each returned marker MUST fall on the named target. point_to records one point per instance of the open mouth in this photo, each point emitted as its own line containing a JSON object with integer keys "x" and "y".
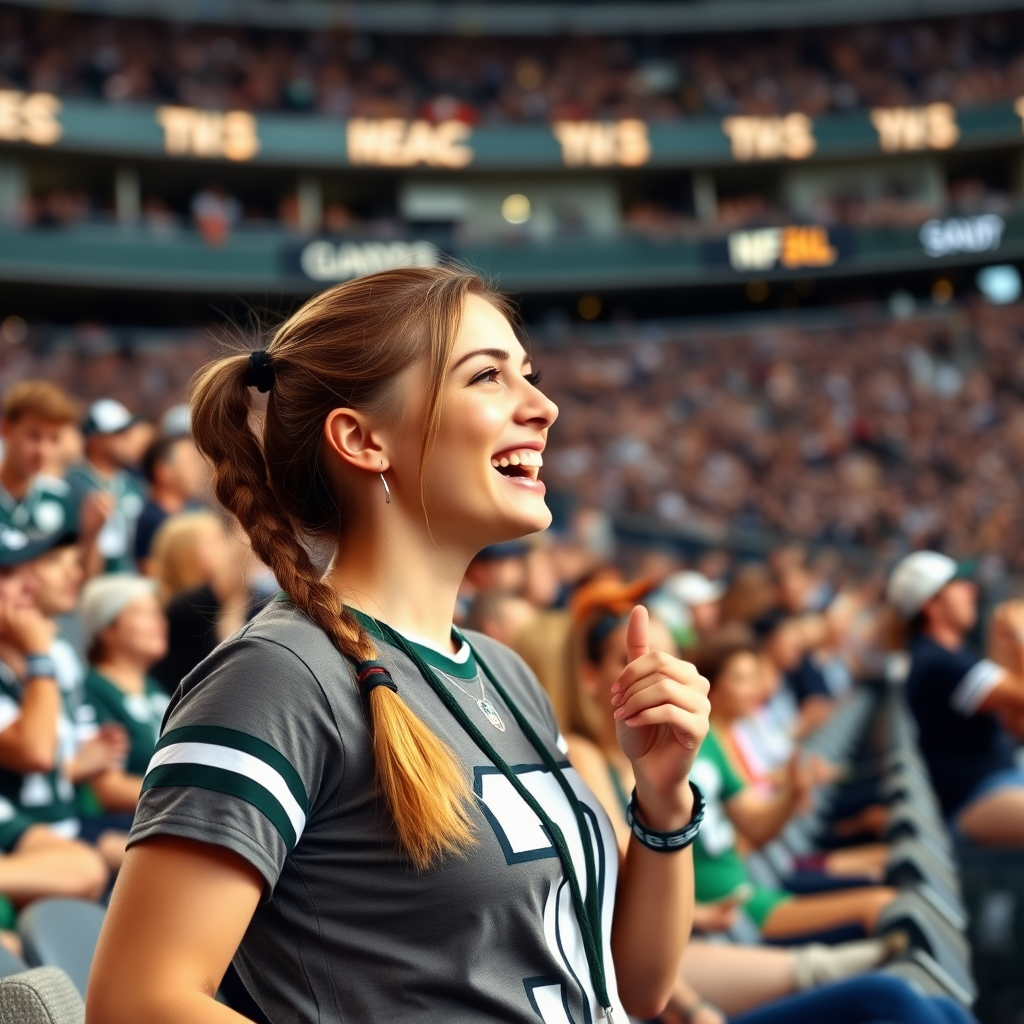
{"x": 524, "y": 463}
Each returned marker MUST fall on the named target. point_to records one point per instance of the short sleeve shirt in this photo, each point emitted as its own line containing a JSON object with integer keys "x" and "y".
{"x": 42, "y": 797}
{"x": 807, "y": 680}
{"x": 718, "y": 869}
{"x": 265, "y": 750}
{"x": 48, "y": 507}
{"x": 116, "y": 541}
{"x": 139, "y": 713}
{"x": 960, "y": 744}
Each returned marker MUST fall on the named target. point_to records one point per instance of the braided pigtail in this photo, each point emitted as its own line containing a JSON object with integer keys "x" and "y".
{"x": 423, "y": 784}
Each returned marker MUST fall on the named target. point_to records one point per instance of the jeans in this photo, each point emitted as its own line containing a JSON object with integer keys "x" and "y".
{"x": 869, "y": 999}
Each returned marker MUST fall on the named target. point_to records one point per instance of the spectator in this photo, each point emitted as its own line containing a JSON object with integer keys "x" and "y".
{"x": 963, "y": 703}
{"x": 176, "y": 474}
{"x": 104, "y": 473}
{"x": 32, "y": 417}
{"x": 215, "y": 213}
{"x": 126, "y": 633}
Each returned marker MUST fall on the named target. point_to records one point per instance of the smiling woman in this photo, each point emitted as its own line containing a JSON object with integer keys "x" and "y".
{"x": 332, "y": 806}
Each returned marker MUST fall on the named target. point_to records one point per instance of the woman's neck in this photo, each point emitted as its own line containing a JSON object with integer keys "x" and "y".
{"x": 401, "y": 576}
{"x": 126, "y": 674}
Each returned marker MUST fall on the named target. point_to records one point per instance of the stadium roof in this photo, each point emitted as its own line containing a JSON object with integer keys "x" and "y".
{"x": 507, "y": 18}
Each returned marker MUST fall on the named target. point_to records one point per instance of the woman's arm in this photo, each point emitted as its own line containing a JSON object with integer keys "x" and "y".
{"x": 178, "y": 912}
{"x": 760, "y": 820}
{"x": 116, "y": 790}
{"x": 662, "y": 712}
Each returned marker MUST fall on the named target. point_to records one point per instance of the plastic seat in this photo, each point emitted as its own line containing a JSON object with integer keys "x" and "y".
{"x": 62, "y": 933}
{"x": 44, "y": 995}
{"x": 10, "y": 964}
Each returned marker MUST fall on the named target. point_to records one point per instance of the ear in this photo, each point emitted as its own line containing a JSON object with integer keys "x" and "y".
{"x": 349, "y": 435}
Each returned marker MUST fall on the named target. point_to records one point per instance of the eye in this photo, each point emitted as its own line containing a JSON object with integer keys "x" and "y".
{"x": 490, "y": 374}
{"x": 532, "y": 378}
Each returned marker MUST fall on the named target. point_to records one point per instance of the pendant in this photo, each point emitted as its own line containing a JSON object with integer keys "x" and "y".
{"x": 491, "y": 714}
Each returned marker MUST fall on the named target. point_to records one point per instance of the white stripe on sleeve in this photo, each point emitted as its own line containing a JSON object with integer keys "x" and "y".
{"x": 241, "y": 763}
{"x": 976, "y": 685}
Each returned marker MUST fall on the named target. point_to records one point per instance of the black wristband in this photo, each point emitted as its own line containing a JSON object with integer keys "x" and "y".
{"x": 667, "y": 842}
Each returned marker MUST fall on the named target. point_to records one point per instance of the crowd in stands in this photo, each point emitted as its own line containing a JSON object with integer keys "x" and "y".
{"x": 965, "y": 61}
{"x": 118, "y": 575}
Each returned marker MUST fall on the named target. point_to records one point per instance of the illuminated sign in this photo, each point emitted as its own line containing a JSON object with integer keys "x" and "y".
{"x": 770, "y": 138}
{"x": 603, "y": 143}
{"x": 29, "y": 117}
{"x": 901, "y": 129}
{"x": 962, "y": 234}
{"x": 396, "y": 142}
{"x": 328, "y": 261}
{"x": 210, "y": 133}
{"x": 791, "y": 248}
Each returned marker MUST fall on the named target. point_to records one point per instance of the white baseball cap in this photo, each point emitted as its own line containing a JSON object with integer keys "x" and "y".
{"x": 107, "y": 416}
{"x": 105, "y": 597}
{"x": 693, "y": 588}
{"x": 917, "y": 579}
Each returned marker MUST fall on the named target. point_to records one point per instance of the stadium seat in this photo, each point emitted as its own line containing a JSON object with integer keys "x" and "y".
{"x": 62, "y": 933}
{"x": 10, "y": 964}
{"x": 44, "y": 995}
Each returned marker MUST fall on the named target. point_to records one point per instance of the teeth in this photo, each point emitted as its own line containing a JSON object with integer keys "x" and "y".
{"x": 504, "y": 463}
{"x": 526, "y": 458}
{"x": 513, "y": 459}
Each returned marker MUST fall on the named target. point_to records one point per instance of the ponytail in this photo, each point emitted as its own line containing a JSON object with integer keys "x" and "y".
{"x": 423, "y": 784}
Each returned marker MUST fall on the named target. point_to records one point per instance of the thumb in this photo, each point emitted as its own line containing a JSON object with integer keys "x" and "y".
{"x": 638, "y": 641}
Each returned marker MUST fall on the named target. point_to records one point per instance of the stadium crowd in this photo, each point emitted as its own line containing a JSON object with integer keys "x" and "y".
{"x": 118, "y": 575}
{"x": 965, "y": 61}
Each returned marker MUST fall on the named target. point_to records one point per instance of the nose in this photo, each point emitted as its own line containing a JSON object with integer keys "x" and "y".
{"x": 536, "y": 408}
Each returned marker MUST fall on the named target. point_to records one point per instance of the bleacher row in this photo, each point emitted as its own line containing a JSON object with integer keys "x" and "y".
{"x": 871, "y": 736}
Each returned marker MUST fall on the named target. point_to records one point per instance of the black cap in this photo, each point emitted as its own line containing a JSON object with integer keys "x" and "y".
{"x": 17, "y": 547}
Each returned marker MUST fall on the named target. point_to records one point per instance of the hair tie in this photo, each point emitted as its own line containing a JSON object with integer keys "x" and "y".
{"x": 371, "y": 674}
{"x": 261, "y": 371}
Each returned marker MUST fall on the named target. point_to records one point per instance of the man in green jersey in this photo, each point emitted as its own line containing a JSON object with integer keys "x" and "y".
{"x": 33, "y": 503}
{"x": 104, "y": 471}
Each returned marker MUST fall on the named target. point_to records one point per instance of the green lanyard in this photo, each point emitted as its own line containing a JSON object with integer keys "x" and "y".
{"x": 588, "y": 911}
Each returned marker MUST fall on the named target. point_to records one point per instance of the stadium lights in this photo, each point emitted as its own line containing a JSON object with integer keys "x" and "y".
{"x": 516, "y": 208}
{"x": 1000, "y": 284}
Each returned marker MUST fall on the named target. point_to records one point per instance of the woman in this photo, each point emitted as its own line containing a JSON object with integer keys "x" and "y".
{"x": 332, "y": 802}
{"x": 126, "y": 633}
{"x": 205, "y": 585}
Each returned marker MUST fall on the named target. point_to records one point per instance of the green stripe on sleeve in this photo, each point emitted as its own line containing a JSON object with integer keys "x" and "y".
{"x": 201, "y": 776}
{"x": 225, "y": 737}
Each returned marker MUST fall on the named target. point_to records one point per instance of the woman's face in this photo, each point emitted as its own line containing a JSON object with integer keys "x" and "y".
{"x": 139, "y": 632}
{"x": 738, "y": 690}
{"x": 59, "y": 576}
{"x": 481, "y": 480}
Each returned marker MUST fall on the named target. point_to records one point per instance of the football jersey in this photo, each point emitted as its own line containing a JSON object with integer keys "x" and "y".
{"x": 48, "y": 507}
{"x": 960, "y": 744}
{"x": 266, "y": 751}
{"x": 116, "y": 540}
{"x": 42, "y": 797}
{"x": 139, "y": 713}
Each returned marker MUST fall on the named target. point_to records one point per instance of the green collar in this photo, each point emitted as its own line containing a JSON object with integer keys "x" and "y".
{"x": 435, "y": 659}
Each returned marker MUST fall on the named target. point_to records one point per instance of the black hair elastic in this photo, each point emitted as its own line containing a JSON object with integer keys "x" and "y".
{"x": 371, "y": 674}
{"x": 261, "y": 371}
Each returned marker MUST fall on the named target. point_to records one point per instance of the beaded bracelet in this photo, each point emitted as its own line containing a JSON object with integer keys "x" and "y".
{"x": 40, "y": 666}
{"x": 667, "y": 842}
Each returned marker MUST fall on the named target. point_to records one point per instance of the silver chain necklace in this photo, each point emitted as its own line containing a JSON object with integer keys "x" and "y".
{"x": 486, "y": 707}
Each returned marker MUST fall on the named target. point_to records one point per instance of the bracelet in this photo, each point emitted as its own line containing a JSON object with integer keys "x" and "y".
{"x": 40, "y": 666}
{"x": 667, "y": 842}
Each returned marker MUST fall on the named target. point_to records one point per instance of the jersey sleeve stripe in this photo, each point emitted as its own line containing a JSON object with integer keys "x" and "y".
{"x": 219, "y": 780}
{"x": 244, "y": 765}
{"x": 223, "y": 737}
{"x": 976, "y": 685}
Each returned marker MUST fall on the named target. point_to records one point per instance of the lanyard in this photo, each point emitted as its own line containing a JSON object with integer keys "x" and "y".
{"x": 588, "y": 911}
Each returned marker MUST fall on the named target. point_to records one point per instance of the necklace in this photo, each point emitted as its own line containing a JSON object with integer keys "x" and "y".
{"x": 488, "y": 709}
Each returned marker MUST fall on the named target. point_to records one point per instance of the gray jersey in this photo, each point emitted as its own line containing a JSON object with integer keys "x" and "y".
{"x": 265, "y": 751}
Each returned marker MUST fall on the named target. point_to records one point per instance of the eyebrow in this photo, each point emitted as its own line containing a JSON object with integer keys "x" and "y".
{"x": 495, "y": 353}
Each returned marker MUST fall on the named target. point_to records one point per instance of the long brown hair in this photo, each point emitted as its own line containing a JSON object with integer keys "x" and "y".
{"x": 343, "y": 348}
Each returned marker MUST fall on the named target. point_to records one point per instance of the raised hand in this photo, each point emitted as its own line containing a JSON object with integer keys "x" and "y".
{"x": 661, "y": 711}
{"x": 25, "y": 627}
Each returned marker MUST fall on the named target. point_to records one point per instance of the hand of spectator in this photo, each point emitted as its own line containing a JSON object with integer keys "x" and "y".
{"x": 800, "y": 779}
{"x": 662, "y": 708}
{"x": 715, "y": 917}
{"x": 94, "y": 512}
{"x": 25, "y": 627}
{"x": 822, "y": 772}
{"x": 107, "y": 750}
{"x": 1006, "y": 637}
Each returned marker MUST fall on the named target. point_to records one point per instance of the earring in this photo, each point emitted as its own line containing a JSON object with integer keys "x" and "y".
{"x": 387, "y": 490}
